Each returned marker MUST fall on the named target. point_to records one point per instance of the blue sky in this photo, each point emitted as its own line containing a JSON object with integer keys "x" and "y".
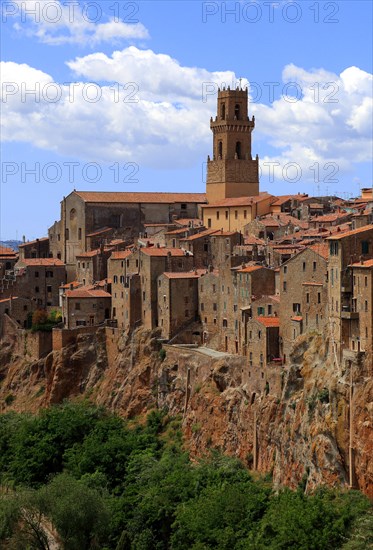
{"x": 137, "y": 84}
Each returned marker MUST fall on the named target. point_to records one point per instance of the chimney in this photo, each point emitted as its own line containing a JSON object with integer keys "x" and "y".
{"x": 71, "y": 286}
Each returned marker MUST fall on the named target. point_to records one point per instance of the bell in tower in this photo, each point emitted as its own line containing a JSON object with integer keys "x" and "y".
{"x": 232, "y": 172}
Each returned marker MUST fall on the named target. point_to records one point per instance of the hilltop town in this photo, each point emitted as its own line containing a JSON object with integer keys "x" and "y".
{"x": 236, "y": 269}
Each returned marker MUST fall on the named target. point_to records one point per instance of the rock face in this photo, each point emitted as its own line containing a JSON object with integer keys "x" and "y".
{"x": 297, "y": 426}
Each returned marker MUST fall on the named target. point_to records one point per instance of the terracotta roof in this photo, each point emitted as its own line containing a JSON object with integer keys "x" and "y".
{"x": 43, "y": 239}
{"x": 331, "y": 217}
{"x": 251, "y": 239}
{"x": 185, "y": 221}
{"x": 155, "y": 251}
{"x": 249, "y": 268}
{"x": 284, "y": 198}
{"x": 200, "y": 235}
{"x": 239, "y": 201}
{"x": 74, "y": 283}
{"x": 177, "y": 231}
{"x": 185, "y": 274}
{"x": 297, "y": 318}
{"x": 99, "y": 231}
{"x": 312, "y": 284}
{"x": 89, "y": 254}
{"x": 366, "y": 228}
{"x": 42, "y": 262}
{"x": 8, "y": 299}
{"x": 80, "y": 293}
{"x": 5, "y": 251}
{"x": 123, "y": 197}
{"x": 322, "y": 249}
{"x": 120, "y": 254}
{"x": 269, "y": 322}
{"x": 365, "y": 263}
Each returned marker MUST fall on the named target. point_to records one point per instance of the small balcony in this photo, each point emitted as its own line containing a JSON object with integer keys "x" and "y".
{"x": 348, "y": 313}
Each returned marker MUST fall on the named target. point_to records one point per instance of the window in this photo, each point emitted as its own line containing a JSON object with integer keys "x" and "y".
{"x": 115, "y": 279}
{"x": 217, "y": 214}
{"x": 296, "y": 308}
{"x": 236, "y": 214}
{"x": 237, "y": 111}
{"x": 80, "y": 233}
{"x": 222, "y": 111}
{"x": 225, "y": 323}
{"x": 366, "y": 305}
{"x": 187, "y": 313}
{"x": 77, "y": 305}
{"x": 209, "y": 222}
{"x": 245, "y": 214}
{"x": 215, "y": 307}
{"x": 215, "y": 321}
{"x": 186, "y": 299}
{"x": 269, "y": 310}
{"x": 284, "y": 286}
{"x": 366, "y": 281}
{"x": 260, "y": 311}
{"x": 251, "y": 358}
{"x": 238, "y": 149}
{"x": 183, "y": 206}
{"x": 121, "y": 279}
{"x": 49, "y": 289}
{"x": 36, "y": 274}
{"x": 314, "y": 266}
{"x": 304, "y": 266}
{"x": 259, "y": 334}
{"x": 214, "y": 288}
{"x": 319, "y": 298}
{"x": 365, "y": 247}
{"x": 226, "y": 214}
{"x": 202, "y": 307}
{"x": 220, "y": 149}
{"x": 36, "y": 289}
{"x": 285, "y": 268}
{"x": 49, "y": 274}
{"x": 308, "y": 297}
{"x": 250, "y": 335}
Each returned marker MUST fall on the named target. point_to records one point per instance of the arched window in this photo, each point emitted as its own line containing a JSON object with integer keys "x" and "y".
{"x": 238, "y": 149}
{"x": 222, "y": 112}
{"x": 220, "y": 149}
{"x": 237, "y": 112}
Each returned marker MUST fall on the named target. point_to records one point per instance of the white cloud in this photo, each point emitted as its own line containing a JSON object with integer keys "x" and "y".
{"x": 56, "y": 23}
{"x": 169, "y": 124}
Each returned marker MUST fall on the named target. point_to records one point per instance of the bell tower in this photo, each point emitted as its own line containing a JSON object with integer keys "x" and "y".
{"x": 232, "y": 172}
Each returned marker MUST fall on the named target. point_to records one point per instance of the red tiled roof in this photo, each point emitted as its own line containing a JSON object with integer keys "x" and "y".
{"x": 269, "y": 322}
{"x": 331, "y": 217}
{"x": 80, "y": 293}
{"x": 5, "y": 251}
{"x": 120, "y": 254}
{"x": 239, "y": 201}
{"x": 249, "y": 268}
{"x": 366, "y": 228}
{"x": 89, "y": 254}
{"x": 123, "y": 197}
{"x": 75, "y": 284}
{"x": 185, "y": 274}
{"x": 284, "y": 198}
{"x": 177, "y": 231}
{"x": 365, "y": 263}
{"x": 99, "y": 231}
{"x": 322, "y": 249}
{"x": 155, "y": 251}
{"x": 42, "y": 262}
{"x": 43, "y": 239}
{"x": 8, "y": 299}
{"x": 200, "y": 235}
{"x": 297, "y": 318}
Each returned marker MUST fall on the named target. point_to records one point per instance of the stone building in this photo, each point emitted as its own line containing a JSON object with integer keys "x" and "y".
{"x": 233, "y": 214}
{"x": 153, "y": 262}
{"x": 84, "y": 213}
{"x": 123, "y": 272}
{"x": 85, "y": 307}
{"x": 358, "y": 319}
{"x": 177, "y": 301}
{"x": 261, "y": 340}
{"x": 91, "y": 266}
{"x": 345, "y": 249}
{"x": 232, "y": 172}
{"x": 209, "y": 307}
{"x": 39, "y": 280}
{"x": 8, "y": 259}
{"x": 303, "y": 291}
{"x": 199, "y": 245}
{"x": 34, "y": 249}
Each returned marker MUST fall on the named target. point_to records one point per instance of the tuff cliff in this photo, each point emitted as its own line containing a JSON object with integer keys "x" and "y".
{"x": 295, "y": 423}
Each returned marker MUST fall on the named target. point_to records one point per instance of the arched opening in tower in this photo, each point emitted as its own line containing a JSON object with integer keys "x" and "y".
{"x": 238, "y": 149}
{"x": 237, "y": 112}
{"x": 222, "y": 112}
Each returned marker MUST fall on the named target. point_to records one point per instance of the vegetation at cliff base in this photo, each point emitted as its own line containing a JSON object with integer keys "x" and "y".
{"x": 81, "y": 478}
